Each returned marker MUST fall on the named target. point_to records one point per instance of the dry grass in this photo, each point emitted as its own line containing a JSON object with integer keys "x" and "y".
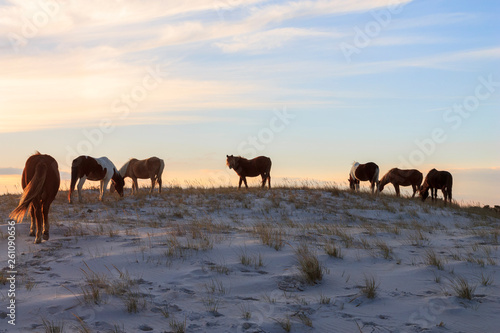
{"x": 309, "y": 265}
{"x": 462, "y": 288}
{"x": 370, "y": 287}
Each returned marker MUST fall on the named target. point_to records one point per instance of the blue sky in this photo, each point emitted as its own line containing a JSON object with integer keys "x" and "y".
{"x": 314, "y": 85}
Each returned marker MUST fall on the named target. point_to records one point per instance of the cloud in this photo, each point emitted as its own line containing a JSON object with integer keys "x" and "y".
{"x": 11, "y": 171}
{"x": 268, "y": 40}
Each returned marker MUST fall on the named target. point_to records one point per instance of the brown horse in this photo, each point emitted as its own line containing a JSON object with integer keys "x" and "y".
{"x": 40, "y": 182}
{"x": 437, "y": 180}
{"x": 363, "y": 172}
{"x": 151, "y": 168}
{"x": 400, "y": 177}
{"x": 86, "y": 167}
{"x": 250, "y": 168}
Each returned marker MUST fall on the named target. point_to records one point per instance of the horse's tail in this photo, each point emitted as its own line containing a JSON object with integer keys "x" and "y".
{"x": 375, "y": 178}
{"x": 160, "y": 170}
{"x": 450, "y": 185}
{"x": 31, "y": 192}
{"x": 74, "y": 178}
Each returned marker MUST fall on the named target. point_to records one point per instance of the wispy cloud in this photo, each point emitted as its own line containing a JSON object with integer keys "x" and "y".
{"x": 270, "y": 39}
{"x": 10, "y": 171}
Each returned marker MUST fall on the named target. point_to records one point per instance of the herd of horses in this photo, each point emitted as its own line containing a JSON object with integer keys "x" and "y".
{"x": 40, "y": 181}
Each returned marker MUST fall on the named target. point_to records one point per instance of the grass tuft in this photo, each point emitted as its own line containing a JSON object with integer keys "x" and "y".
{"x": 309, "y": 265}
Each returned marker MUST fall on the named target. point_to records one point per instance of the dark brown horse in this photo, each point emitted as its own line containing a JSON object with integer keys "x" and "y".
{"x": 400, "y": 177}
{"x": 151, "y": 168}
{"x": 434, "y": 181}
{"x": 86, "y": 167}
{"x": 40, "y": 182}
{"x": 250, "y": 168}
{"x": 363, "y": 172}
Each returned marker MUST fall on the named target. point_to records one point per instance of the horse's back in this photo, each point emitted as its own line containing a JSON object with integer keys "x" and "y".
{"x": 52, "y": 178}
{"x": 439, "y": 179}
{"x": 365, "y": 171}
{"x": 256, "y": 166}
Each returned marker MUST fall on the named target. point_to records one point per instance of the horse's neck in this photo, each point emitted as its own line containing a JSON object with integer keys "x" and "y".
{"x": 353, "y": 170}
{"x": 124, "y": 169}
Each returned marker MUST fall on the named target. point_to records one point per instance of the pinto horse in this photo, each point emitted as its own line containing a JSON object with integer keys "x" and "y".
{"x": 86, "y": 167}
{"x": 400, "y": 177}
{"x": 250, "y": 168}
{"x": 437, "y": 180}
{"x": 363, "y": 172}
{"x": 151, "y": 168}
{"x": 40, "y": 182}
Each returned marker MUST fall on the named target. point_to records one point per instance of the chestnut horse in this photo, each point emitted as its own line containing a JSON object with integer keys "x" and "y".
{"x": 363, "y": 172}
{"x": 151, "y": 168}
{"x": 40, "y": 182}
{"x": 400, "y": 177}
{"x": 250, "y": 168}
{"x": 437, "y": 180}
{"x": 86, "y": 167}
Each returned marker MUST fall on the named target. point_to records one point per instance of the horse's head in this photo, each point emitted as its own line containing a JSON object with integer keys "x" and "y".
{"x": 117, "y": 183}
{"x": 381, "y": 187}
{"x": 232, "y": 162}
{"x": 352, "y": 182}
{"x": 424, "y": 192}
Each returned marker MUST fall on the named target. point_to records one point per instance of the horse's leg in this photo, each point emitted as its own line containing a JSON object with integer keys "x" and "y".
{"x": 159, "y": 183}
{"x": 264, "y": 178}
{"x": 152, "y": 184}
{"x": 269, "y": 180}
{"x": 396, "y": 187}
{"x": 101, "y": 190}
{"x": 414, "y": 187}
{"x": 80, "y": 186}
{"x": 33, "y": 221}
{"x": 241, "y": 181}
{"x": 136, "y": 185}
{"x": 39, "y": 221}
{"x": 104, "y": 186}
{"x": 46, "y": 227}
{"x": 245, "y": 181}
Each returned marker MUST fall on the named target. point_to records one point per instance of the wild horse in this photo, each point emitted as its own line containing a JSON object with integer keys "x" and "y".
{"x": 399, "y": 177}
{"x": 86, "y": 167}
{"x": 363, "y": 172}
{"x": 435, "y": 180}
{"x": 150, "y": 168}
{"x": 40, "y": 182}
{"x": 250, "y": 168}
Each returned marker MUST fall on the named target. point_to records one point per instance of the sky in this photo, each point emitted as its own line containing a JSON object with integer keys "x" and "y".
{"x": 315, "y": 85}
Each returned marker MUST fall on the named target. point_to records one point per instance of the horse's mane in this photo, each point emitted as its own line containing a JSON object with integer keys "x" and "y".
{"x": 123, "y": 169}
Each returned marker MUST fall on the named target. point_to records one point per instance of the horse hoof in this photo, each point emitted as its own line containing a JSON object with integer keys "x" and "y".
{"x": 45, "y": 236}
{"x": 32, "y": 233}
{"x": 38, "y": 240}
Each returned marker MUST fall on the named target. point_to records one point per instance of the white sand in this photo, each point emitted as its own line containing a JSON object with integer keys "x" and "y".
{"x": 178, "y": 255}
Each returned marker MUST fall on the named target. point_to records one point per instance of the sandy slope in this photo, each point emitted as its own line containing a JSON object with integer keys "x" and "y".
{"x": 154, "y": 263}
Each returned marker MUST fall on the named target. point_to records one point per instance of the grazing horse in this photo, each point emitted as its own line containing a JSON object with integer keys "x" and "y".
{"x": 437, "y": 180}
{"x": 40, "y": 182}
{"x": 86, "y": 167}
{"x": 151, "y": 168}
{"x": 363, "y": 172}
{"x": 250, "y": 168}
{"x": 400, "y": 177}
